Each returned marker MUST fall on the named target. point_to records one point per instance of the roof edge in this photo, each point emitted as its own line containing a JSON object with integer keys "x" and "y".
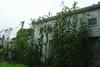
{"x": 81, "y": 10}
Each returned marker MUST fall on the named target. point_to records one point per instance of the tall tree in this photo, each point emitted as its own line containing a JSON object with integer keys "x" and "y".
{"x": 69, "y": 39}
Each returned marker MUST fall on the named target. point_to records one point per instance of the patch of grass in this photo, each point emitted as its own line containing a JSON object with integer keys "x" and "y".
{"x": 4, "y": 64}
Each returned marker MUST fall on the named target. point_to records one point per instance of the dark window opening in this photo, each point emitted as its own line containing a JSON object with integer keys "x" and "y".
{"x": 92, "y": 21}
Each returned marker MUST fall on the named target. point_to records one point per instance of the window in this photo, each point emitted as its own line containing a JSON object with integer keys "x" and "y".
{"x": 92, "y": 21}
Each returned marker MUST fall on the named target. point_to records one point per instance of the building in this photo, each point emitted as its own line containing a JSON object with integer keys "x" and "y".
{"x": 93, "y": 14}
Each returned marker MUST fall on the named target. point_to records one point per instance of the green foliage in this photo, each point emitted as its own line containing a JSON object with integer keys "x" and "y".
{"x": 68, "y": 46}
{"x": 96, "y": 52}
{"x": 4, "y": 64}
{"x": 69, "y": 40}
{"x": 25, "y": 50}
{"x": 1, "y": 54}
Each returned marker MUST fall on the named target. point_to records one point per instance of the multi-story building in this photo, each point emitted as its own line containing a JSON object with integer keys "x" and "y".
{"x": 93, "y": 14}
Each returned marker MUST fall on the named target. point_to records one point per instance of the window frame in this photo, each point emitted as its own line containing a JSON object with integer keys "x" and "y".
{"x": 92, "y": 21}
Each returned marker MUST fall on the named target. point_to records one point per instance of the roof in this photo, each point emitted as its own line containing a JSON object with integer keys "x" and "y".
{"x": 82, "y": 10}
{"x": 89, "y": 8}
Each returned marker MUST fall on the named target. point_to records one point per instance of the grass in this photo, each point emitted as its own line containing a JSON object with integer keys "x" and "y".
{"x": 4, "y": 64}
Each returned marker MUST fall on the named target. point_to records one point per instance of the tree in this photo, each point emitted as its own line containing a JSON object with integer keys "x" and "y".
{"x": 5, "y": 43}
{"x": 25, "y": 49}
{"x": 22, "y": 24}
{"x": 69, "y": 39}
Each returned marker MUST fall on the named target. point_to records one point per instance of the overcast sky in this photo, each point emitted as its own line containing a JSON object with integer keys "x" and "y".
{"x": 14, "y": 11}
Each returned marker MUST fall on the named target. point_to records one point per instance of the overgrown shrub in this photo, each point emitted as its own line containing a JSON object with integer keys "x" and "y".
{"x": 69, "y": 40}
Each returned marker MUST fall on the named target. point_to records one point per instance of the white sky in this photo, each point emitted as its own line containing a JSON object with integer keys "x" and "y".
{"x": 14, "y": 11}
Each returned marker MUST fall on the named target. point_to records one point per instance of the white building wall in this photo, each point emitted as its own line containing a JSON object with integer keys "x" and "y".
{"x": 95, "y": 29}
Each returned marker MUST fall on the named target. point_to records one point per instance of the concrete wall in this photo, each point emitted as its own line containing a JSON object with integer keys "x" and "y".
{"x": 95, "y": 29}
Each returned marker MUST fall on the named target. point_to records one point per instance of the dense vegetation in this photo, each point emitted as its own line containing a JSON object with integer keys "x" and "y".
{"x": 68, "y": 46}
{"x": 4, "y": 64}
{"x": 69, "y": 40}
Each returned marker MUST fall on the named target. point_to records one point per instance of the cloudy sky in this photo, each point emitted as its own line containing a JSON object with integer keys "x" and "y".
{"x": 14, "y": 11}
